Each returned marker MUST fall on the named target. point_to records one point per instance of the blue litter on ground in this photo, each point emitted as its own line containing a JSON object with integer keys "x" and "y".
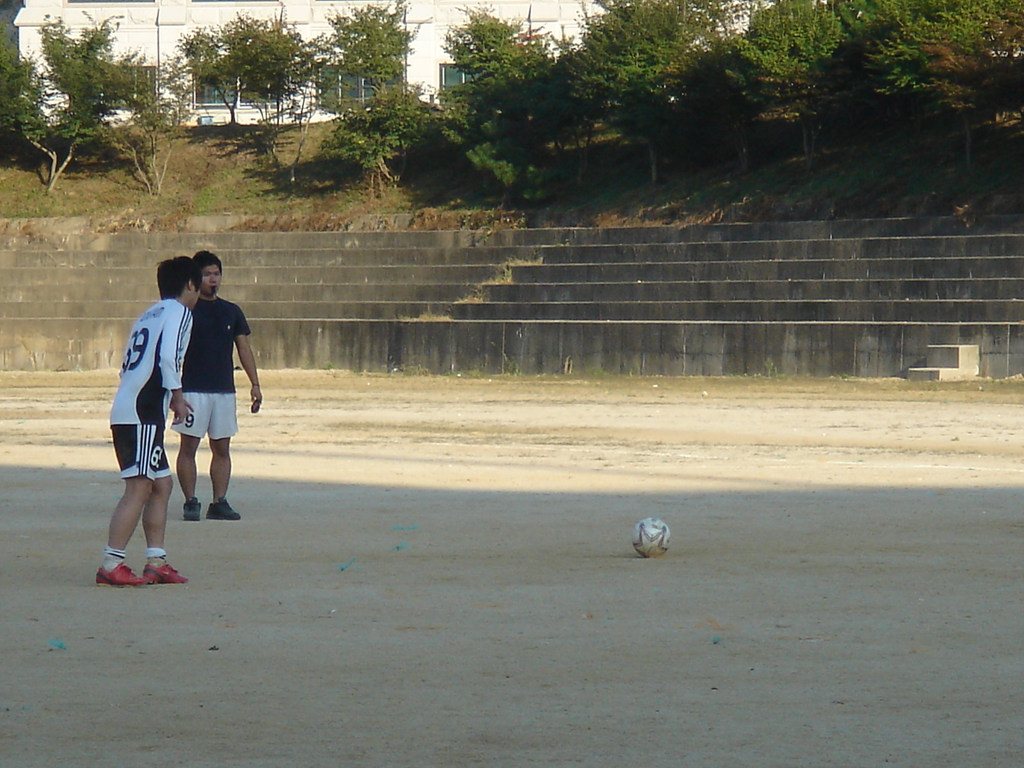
{"x": 399, "y": 546}
{"x": 346, "y": 566}
{"x": 57, "y": 643}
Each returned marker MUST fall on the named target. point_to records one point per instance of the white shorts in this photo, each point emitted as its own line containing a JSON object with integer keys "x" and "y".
{"x": 213, "y": 414}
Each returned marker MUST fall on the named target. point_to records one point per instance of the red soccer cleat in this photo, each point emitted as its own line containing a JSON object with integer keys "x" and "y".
{"x": 121, "y": 576}
{"x": 162, "y": 574}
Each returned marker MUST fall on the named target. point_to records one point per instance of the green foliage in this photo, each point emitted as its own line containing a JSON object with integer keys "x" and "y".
{"x": 510, "y": 108}
{"x": 80, "y": 89}
{"x": 626, "y": 57}
{"x": 263, "y": 62}
{"x": 374, "y": 134}
{"x": 490, "y": 156}
{"x": 677, "y": 78}
{"x": 717, "y": 93}
{"x": 954, "y": 57}
{"x": 371, "y": 43}
{"x": 491, "y": 51}
{"x": 206, "y": 55}
{"x": 155, "y": 113}
{"x": 18, "y": 98}
{"x": 377, "y": 136}
{"x": 787, "y": 47}
{"x": 789, "y": 43}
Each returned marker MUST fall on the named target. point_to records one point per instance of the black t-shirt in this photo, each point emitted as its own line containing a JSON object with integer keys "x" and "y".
{"x": 209, "y": 362}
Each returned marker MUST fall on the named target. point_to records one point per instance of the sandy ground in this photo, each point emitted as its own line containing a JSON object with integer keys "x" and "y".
{"x": 438, "y": 572}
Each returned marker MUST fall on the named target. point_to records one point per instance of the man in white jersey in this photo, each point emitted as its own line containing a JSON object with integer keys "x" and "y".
{"x": 150, "y": 383}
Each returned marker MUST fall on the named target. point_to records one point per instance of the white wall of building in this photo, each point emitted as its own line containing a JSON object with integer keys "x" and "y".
{"x": 154, "y": 27}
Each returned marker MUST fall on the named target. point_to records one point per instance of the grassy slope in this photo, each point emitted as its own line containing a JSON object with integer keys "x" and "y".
{"x": 213, "y": 171}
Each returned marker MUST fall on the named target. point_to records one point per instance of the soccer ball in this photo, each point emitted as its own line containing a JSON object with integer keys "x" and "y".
{"x": 650, "y": 537}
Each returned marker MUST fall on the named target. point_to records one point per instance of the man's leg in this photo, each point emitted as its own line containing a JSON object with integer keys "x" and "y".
{"x": 154, "y": 523}
{"x": 186, "y": 465}
{"x": 154, "y": 516}
{"x": 220, "y": 467}
{"x": 220, "y": 476}
{"x": 123, "y": 522}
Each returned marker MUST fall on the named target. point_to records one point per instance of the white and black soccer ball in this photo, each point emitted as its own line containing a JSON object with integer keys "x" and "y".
{"x": 650, "y": 537}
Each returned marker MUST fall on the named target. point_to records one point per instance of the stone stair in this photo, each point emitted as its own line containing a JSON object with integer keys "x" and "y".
{"x": 948, "y": 362}
{"x": 862, "y": 298}
{"x": 67, "y": 302}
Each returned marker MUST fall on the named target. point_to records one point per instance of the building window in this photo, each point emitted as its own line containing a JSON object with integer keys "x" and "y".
{"x": 208, "y": 95}
{"x": 336, "y": 90}
{"x": 139, "y": 81}
{"x": 452, "y": 76}
{"x": 143, "y": 79}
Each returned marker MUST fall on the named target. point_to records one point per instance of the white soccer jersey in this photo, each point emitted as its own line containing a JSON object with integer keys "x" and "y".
{"x": 152, "y": 364}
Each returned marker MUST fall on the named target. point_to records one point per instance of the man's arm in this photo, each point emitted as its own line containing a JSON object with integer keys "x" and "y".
{"x": 180, "y": 407}
{"x": 248, "y": 361}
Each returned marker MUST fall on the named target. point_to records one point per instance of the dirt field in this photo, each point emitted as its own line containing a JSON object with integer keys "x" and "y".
{"x": 437, "y": 572}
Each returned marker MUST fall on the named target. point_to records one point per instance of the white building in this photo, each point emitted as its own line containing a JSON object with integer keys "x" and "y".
{"x": 154, "y": 27}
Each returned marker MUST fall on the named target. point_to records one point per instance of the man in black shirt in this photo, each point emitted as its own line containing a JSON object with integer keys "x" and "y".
{"x": 208, "y": 381}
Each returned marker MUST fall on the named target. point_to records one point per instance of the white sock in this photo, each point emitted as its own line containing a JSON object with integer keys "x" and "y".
{"x": 152, "y": 552}
{"x": 112, "y": 558}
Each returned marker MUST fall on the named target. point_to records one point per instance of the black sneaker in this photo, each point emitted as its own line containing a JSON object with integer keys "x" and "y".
{"x": 192, "y": 508}
{"x": 221, "y": 510}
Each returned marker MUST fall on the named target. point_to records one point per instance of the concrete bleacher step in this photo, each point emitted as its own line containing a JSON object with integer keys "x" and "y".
{"x": 966, "y": 267}
{"x": 61, "y": 294}
{"x": 895, "y": 227}
{"x": 252, "y": 242}
{"x": 128, "y": 310}
{"x": 817, "y": 298}
{"x": 236, "y": 260}
{"x": 805, "y": 310}
{"x": 948, "y": 362}
{"x": 893, "y": 289}
{"x": 790, "y": 250}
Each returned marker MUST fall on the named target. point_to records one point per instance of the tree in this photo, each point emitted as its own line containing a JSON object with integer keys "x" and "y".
{"x": 973, "y": 69}
{"x": 374, "y": 131}
{"x": 265, "y": 57}
{"x": 503, "y": 112}
{"x": 309, "y": 66}
{"x": 377, "y": 136}
{"x": 1006, "y": 36}
{"x": 582, "y": 106}
{"x": 78, "y": 92}
{"x": 717, "y": 97}
{"x": 371, "y": 44}
{"x": 953, "y": 57}
{"x": 890, "y": 32}
{"x": 788, "y": 45}
{"x": 205, "y": 53}
{"x": 263, "y": 63}
{"x": 156, "y": 106}
{"x": 19, "y": 100}
{"x": 626, "y": 54}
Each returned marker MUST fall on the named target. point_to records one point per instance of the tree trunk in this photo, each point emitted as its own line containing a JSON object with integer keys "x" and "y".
{"x": 742, "y": 148}
{"x": 56, "y": 167}
{"x": 583, "y": 148}
{"x": 809, "y": 133}
{"x": 968, "y": 139}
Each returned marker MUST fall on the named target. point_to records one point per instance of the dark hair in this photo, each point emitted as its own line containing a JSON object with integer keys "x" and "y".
{"x": 173, "y": 275}
{"x": 206, "y": 259}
